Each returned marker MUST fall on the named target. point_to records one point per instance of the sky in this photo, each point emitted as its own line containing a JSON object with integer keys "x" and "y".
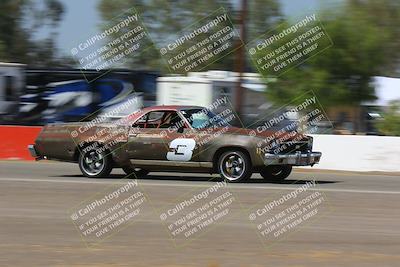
{"x": 82, "y": 20}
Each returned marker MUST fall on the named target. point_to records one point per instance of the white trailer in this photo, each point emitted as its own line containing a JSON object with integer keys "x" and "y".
{"x": 204, "y": 88}
{"x": 12, "y": 83}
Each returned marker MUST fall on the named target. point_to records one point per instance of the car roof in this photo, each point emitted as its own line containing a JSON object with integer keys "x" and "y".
{"x": 170, "y": 107}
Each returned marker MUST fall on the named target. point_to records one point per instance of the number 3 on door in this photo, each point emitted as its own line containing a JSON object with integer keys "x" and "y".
{"x": 181, "y": 149}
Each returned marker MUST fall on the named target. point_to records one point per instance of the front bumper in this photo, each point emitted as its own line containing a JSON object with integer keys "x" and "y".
{"x": 295, "y": 159}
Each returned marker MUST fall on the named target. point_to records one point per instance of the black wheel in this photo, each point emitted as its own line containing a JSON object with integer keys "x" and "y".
{"x": 276, "y": 173}
{"x": 234, "y": 166}
{"x": 95, "y": 163}
{"x": 139, "y": 172}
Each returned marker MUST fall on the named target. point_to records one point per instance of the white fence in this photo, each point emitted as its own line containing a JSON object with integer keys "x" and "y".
{"x": 358, "y": 153}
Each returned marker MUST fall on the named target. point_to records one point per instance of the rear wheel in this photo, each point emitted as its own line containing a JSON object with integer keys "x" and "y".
{"x": 139, "y": 172}
{"x": 234, "y": 166}
{"x": 94, "y": 163}
{"x": 276, "y": 173}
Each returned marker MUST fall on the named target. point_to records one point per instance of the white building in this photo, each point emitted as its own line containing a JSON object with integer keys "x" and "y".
{"x": 203, "y": 88}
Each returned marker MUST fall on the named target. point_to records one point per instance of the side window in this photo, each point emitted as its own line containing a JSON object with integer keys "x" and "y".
{"x": 160, "y": 119}
{"x": 172, "y": 120}
{"x": 155, "y": 118}
{"x": 141, "y": 122}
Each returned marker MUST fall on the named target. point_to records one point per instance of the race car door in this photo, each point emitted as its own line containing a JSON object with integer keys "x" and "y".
{"x": 161, "y": 136}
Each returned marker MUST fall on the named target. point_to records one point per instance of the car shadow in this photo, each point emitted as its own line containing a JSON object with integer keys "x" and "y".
{"x": 290, "y": 181}
{"x": 205, "y": 178}
{"x": 149, "y": 177}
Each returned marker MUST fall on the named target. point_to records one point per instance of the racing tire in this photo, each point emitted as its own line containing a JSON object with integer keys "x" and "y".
{"x": 234, "y": 166}
{"x": 95, "y": 164}
{"x": 138, "y": 172}
{"x": 276, "y": 173}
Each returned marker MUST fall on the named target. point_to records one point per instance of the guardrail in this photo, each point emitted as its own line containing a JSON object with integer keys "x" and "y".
{"x": 358, "y": 153}
{"x": 14, "y": 141}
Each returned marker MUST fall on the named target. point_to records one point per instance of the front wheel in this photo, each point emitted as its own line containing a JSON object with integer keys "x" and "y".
{"x": 95, "y": 164}
{"x": 234, "y": 166}
{"x": 276, "y": 173}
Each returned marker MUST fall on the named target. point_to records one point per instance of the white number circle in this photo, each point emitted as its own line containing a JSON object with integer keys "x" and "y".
{"x": 182, "y": 149}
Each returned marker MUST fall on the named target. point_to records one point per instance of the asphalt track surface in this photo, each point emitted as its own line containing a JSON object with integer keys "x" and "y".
{"x": 358, "y": 224}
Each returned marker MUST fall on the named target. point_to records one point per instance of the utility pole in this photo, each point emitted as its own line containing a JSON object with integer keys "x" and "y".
{"x": 241, "y": 58}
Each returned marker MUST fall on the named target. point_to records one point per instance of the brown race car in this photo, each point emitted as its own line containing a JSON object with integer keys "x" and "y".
{"x": 175, "y": 138}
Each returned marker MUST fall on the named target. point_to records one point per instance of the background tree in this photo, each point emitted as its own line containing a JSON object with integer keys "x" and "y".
{"x": 364, "y": 46}
{"x": 165, "y": 19}
{"x": 20, "y": 21}
{"x": 385, "y": 14}
{"x": 390, "y": 124}
{"x": 263, "y": 16}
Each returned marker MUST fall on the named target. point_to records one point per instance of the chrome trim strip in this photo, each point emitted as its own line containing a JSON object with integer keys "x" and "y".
{"x": 145, "y": 162}
{"x": 296, "y": 159}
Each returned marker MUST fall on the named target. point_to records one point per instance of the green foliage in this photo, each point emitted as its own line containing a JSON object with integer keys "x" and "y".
{"x": 165, "y": 19}
{"x": 342, "y": 74}
{"x": 262, "y": 16}
{"x": 20, "y": 20}
{"x": 390, "y": 124}
{"x": 385, "y": 15}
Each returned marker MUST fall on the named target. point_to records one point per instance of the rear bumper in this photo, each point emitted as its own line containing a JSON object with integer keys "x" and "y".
{"x": 295, "y": 159}
{"x": 33, "y": 152}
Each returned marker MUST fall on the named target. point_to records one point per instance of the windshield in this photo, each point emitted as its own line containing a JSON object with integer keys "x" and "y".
{"x": 203, "y": 118}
